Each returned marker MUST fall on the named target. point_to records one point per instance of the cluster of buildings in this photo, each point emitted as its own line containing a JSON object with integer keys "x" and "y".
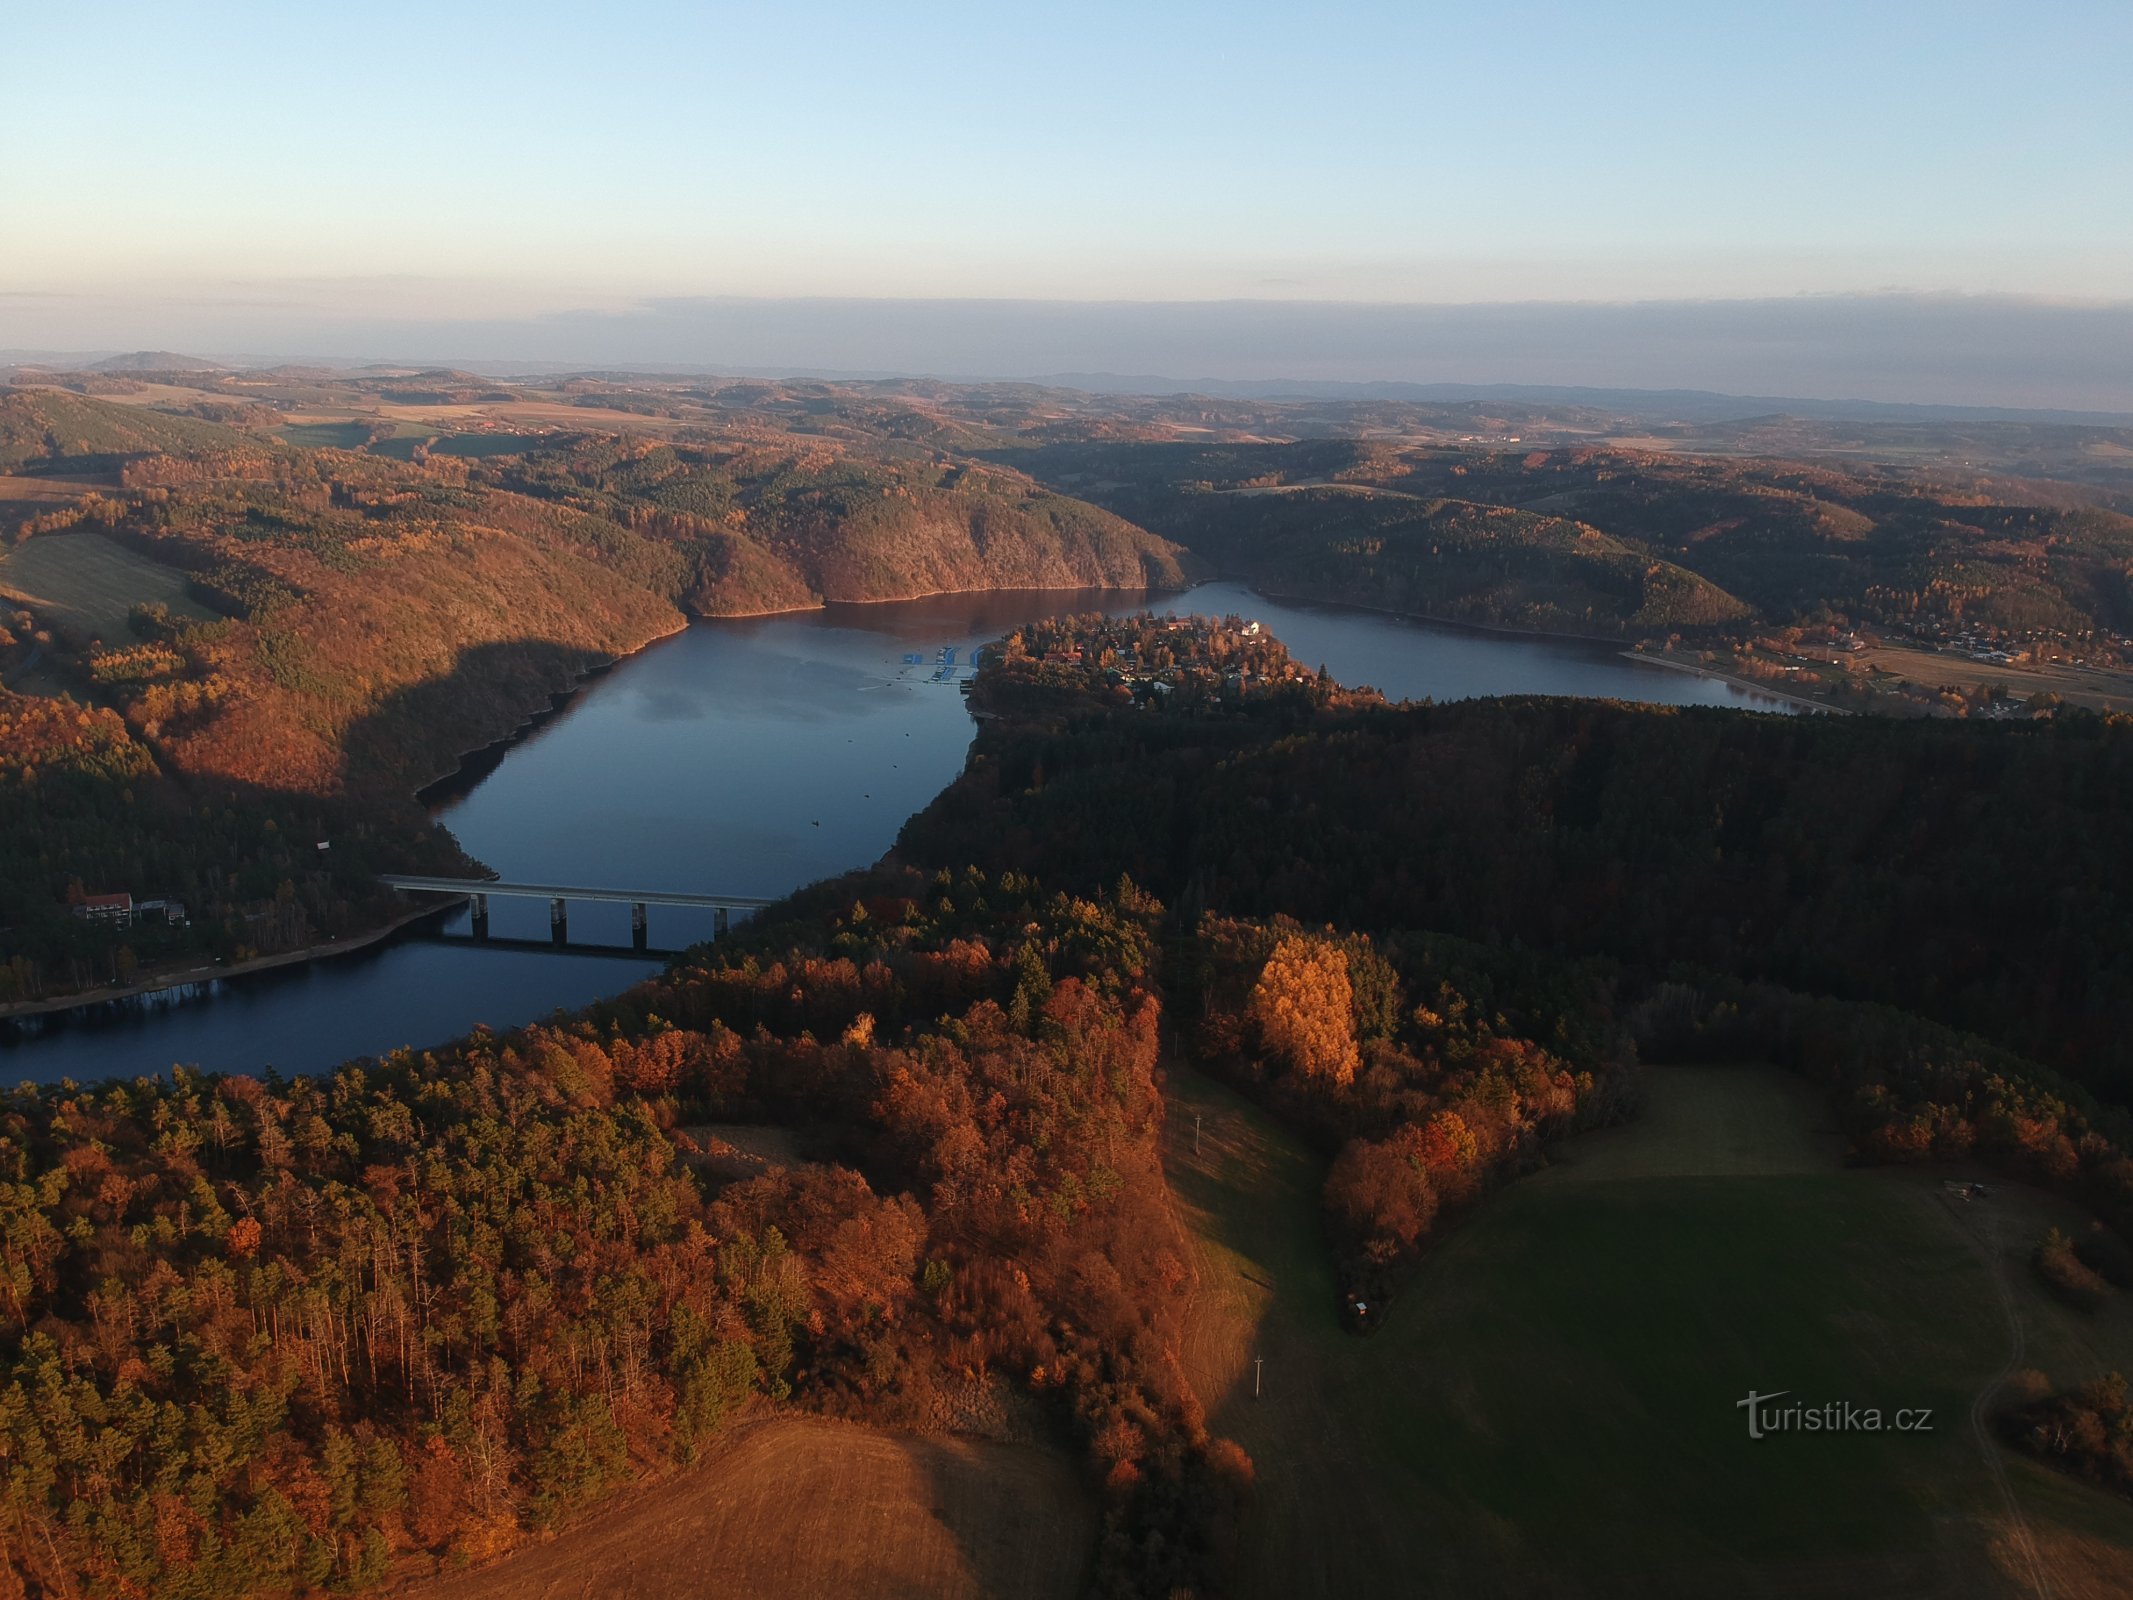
{"x": 1817, "y": 645}
{"x": 1152, "y": 659}
{"x": 123, "y": 911}
{"x": 2015, "y": 647}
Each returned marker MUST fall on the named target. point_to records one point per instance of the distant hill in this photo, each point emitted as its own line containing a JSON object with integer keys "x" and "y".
{"x": 1493, "y": 565}
{"x": 1682, "y": 405}
{"x": 1648, "y": 541}
{"x": 156, "y": 361}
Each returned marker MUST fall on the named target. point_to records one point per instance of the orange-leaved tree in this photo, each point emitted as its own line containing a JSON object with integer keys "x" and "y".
{"x": 1303, "y": 1006}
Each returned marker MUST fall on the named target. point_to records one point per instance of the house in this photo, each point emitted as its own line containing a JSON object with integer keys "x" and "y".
{"x": 112, "y": 908}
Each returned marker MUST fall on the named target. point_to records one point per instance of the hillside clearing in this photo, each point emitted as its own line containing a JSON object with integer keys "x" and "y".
{"x": 1553, "y": 1406}
{"x": 87, "y": 584}
{"x": 735, "y": 1151}
{"x": 799, "y": 1508}
{"x": 351, "y": 435}
{"x": 47, "y": 492}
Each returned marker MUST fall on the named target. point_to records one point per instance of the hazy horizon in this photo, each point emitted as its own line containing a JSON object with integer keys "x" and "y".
{"x": 1979, "y": 351}
{"x": 1908, "y": 201}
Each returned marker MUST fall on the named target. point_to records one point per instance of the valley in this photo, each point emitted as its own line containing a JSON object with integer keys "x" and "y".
{"x": 1043, "y": 803}
{"x": 1239, "y": 1095}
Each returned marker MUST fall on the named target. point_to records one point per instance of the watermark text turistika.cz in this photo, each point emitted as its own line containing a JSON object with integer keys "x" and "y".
{"x": 1766, "y": 1416}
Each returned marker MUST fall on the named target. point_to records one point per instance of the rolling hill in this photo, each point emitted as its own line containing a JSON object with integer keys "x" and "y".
{"x": 50, "y": 427}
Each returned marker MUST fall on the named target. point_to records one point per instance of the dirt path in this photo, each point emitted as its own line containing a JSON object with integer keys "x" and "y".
{"x": 799, "y": 1508}
{"x": 1263, "y": 1319}
{"x": 2020, "y": 1537}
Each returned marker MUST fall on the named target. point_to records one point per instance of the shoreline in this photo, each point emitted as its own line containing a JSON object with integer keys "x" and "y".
{"x": 944, "y": 594}
{"x": 440, "y": 786}
{"x": 210, "y": 972}
{"x": 1661, "y": 659}
{"x": 532, "y": 721}
{"x": 1620, "y": 643}
{"x": 1495, "y": 629}
{"x": 440, "y": 789}
{"x": 214, "y": 971}
{"x": 467, "y": 770}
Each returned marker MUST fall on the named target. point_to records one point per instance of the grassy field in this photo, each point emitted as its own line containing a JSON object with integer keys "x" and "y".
{"x": 326, "y": 435}
{"x": 87, "y": 584}
{"x": 487, "y": 444}
{"x": 48, "y": 493}
{"x": 802, "y": 1508}
{"x": 24, "y": 498}
{"x": 2081, "y": 686}
{"x": 1552, "y": 1408}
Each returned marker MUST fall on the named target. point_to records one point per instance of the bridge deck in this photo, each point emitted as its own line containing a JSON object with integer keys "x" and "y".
{"x": 552, "y": 891}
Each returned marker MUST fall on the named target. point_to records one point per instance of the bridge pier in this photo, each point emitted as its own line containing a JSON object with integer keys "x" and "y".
{"x": 558, "y": 921}
{"x": 718, "y": 922}
{"x": 481, "y": 916}
{"x": 640, "y": 933}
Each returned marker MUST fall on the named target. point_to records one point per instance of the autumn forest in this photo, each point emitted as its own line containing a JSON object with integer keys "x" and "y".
{"x": 912, "y": 1147}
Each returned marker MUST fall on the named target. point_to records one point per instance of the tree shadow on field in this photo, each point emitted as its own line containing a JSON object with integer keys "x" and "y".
{"x": 1020, "y": 1515}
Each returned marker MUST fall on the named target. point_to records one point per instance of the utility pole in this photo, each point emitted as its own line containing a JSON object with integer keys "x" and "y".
{"x": 1196, "y": 1133}
{"x": 1257, "y": 1363}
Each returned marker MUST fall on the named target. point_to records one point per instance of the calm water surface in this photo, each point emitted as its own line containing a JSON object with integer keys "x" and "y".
{"x": 743, "y": 757}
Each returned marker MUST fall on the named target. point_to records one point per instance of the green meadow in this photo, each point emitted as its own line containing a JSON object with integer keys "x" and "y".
{"x": 1552, "y": 1406}
{"x": 326, "y": 435}
{"x": 88, "y": 584}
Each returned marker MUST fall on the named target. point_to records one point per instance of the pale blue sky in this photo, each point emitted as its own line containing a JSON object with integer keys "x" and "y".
{"x": 442, "y": 162}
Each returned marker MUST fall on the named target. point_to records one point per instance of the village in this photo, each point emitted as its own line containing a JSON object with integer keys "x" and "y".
{"x": 1157, "y": 662}
{"x": 1929, "y": 670}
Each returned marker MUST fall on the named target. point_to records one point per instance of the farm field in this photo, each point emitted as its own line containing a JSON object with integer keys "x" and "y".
{"x": 87, "y": 584}
{"x": 401, "y": 447}
{"x": 805, "y": 1508}
{"x": 1553, "y": 1406}
{"x": 44, "y": 493}
{"x": 540, "y": 414}
{"x": 2081, "y": 686}
{"x": 325, "y": 435}
{"x": 487, "y": 444}
{"x": 24, "y": 498}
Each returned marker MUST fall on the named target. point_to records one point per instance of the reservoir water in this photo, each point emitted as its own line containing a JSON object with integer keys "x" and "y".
{"x": 739, "y": 757}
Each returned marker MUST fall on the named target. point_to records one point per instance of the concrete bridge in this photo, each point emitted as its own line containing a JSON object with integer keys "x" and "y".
{"x": 478, "y": 890}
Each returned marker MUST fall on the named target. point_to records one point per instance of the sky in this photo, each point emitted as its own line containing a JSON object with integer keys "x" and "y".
{"x": 440, "y": 180}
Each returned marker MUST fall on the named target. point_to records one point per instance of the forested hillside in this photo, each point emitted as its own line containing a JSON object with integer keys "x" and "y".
{"x": 1719, "y": 538}
{"x": 85, "y": 805}
{"x": 50, "y": 427}
{"x": 1455, "y": 559}
{"x": 351, "y": 624}
{"x": 1976, "y": 875}
{"x": 775, "y": 528}
{"x": 326, "y": 612}
{"x": 266, "y": 1338}
{"x": 260, "y": 1338}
